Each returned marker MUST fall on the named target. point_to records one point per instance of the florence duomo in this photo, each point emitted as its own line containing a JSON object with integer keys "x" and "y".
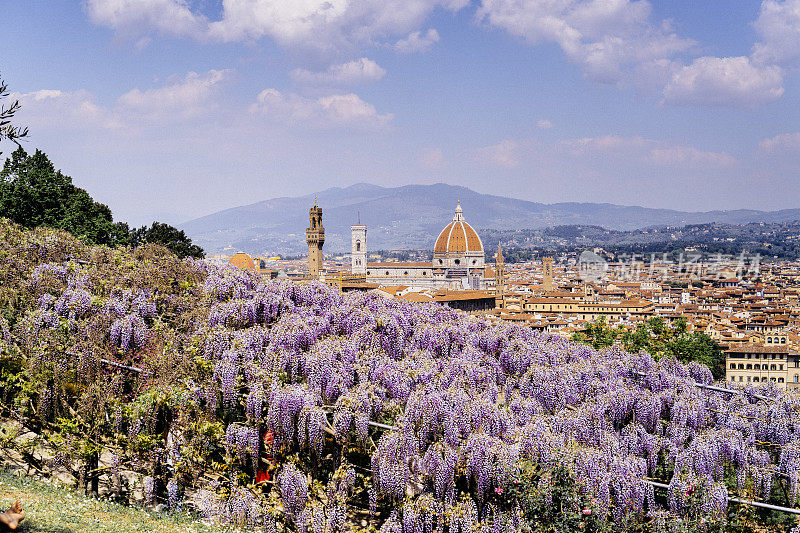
{"x": 458, "y": 260}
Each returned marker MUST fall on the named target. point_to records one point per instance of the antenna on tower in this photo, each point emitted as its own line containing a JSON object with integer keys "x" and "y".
{"x": 359, "y": 218}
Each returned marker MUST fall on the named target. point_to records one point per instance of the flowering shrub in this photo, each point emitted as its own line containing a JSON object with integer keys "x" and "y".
{"x": 294, "y": 407}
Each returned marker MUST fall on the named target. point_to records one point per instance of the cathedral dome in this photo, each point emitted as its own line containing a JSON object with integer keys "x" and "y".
{"x": 458, "y": 237}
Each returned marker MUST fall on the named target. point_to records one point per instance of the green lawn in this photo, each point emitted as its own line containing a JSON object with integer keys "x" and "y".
{"x": 58, "y": 509}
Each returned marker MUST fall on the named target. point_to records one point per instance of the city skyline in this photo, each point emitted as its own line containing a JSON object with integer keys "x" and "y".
{"x": 172, "y": 110}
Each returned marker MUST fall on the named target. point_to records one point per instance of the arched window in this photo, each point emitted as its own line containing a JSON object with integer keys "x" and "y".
{"x": 733, "y": 366}
{"x": 457, "y": 261}
{"x": 440, "y": 261}
{"x": 757, "y": 366}
{"x": 741, "y": 366}
{"x": 780, "y": 380}
{"x": 358, "y": 246}
{"x": 783, "y": 340}
{"x": 387, "y": 272}
{"x": 797, "y": 378}
{"x": 749, "y": 367}
{"x": 773, "y": 367}
{"x": 755, "y": 379}
{"x": 769, "y": 340}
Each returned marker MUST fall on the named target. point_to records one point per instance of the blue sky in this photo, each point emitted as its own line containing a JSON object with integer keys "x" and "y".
{"x": 171, "y": 109}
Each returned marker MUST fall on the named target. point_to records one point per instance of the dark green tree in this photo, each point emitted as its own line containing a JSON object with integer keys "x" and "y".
{"x": 33, "y": 193}
{"x": 168, "y": 236}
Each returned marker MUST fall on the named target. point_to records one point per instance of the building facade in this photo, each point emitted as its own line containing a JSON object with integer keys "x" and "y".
{"x": 759, "y": 363}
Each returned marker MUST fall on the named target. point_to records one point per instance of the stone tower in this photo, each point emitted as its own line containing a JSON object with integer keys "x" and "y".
{"x": 358, "y": 249}
{"x": 315, "y": 237}
{"x": 500, "y": 279}
{"x": 547, "y": 274}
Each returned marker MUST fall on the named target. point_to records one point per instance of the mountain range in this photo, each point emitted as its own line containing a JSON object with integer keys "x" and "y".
{"x": 411, "y": 216}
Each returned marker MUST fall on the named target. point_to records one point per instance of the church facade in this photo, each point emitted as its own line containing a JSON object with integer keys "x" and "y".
{"x": 458, "y": 261}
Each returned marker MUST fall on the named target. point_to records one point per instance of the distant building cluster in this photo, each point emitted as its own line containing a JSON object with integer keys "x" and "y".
{"x": 753, "y": 312}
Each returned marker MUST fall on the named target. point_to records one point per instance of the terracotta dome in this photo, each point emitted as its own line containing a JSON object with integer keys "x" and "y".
{"x": 243, "y": 261}
{"x": 458, "y": 236}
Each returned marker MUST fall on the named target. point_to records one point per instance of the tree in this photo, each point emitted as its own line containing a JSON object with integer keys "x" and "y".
{"x": 168, "y": 236}
{"x": 7, "y": 129}
{"x": 660, "y": 339}
{"x": 33, "y": 193}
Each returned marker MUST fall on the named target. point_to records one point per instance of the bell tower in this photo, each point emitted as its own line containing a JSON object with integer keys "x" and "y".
{"x": 315, "y": 237}
{"x": 358, "y": 248}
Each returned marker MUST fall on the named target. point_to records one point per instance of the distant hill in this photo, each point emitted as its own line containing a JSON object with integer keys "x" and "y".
{"x": 412, "y": 216}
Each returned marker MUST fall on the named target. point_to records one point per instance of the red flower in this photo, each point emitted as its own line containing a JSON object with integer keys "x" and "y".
{"x": 498, "y": 490}
{"x": 587, "y": 511}
{"x": 268, "y": 436}
{"x": 262, "y": 477}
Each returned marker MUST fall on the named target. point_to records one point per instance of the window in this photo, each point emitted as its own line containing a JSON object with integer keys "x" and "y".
{"x": 783, "y": 340}
{"x": 772, "y": 367}
{"x": 733, "y": 366}
{"x": 749, "y": 367}
{"x": 757, "y": 366}
{"x": 358, "y": 246}
{"x": 741, "y": 366}
{"x": 457, "y": 261}
{"x": 387, "y": 272}
{"x": 424, "y": 273}
{"x": 780, "y": 380}
{"x": 368, "y": 272}
{"x": 733, "y": 378}
{"x": 405, "y": 273}
{"x": 440, "y": 261}
{"x": 755, "y": 379}
{"x": 474, "y": 261}
{"x": 797, "y": 378}
{"x": 780, "y": 367}
{"x": 740, "y": 379}
{"x": 772, "y": 379}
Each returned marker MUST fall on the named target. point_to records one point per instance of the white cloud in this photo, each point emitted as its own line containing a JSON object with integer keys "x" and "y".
{"x": 54, "y": 109}
{"x": 785, "y": 142}
{"x": 647, "y": 151}
{"x": 433, "y": 159}
{"x": 417, "y": 42}
{"x": 778, "y": 25}
{"x": 682, "y": 155}
{"x": 325, "y": 27}
{"x": 187, "y": 97}
{"x": 133, "y": 18}
{"x": 613, "y": 41}
{"x": 355, "y": 72}
{"x": 345, "y": 111}
{"x": 544, "y": 124}
{"x": 504, "y": 154}
{"x": 733, "y": 81}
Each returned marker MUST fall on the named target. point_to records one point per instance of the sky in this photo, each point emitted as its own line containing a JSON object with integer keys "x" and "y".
{"x": 172, "y": 109}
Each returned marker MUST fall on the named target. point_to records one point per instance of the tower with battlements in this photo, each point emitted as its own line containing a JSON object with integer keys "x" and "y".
{"x": 315, "y": 237}
{"x": 547, "y": 274}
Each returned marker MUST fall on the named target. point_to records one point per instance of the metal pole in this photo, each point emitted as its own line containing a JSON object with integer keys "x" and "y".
{"x": 740, "y": 501}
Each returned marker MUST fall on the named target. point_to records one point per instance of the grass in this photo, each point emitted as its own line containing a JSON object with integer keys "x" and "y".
{"x": 57, "y": 509}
